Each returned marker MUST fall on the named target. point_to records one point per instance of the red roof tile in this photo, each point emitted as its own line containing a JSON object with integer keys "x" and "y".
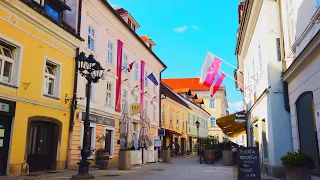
{"x": 192, "y": 83}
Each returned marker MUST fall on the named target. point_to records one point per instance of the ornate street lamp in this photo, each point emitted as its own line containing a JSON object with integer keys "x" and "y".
{"x": 198, "y": 140}
{"x": 90, "y": 69}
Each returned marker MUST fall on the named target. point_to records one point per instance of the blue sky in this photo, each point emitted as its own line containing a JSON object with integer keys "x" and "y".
{"x": 184, "y": 30}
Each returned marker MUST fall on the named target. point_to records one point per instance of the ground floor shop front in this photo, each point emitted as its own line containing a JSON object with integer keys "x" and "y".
{"x": 33, "y": 137}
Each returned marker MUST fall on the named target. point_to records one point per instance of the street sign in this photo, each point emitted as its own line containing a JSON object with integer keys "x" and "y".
{"x": 134, "y": 108}
{"x": 157, "y": 143}
{"x": 161, "y": 132}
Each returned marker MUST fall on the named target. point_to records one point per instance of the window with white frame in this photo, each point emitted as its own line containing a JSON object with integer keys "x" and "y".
{"x": 124, "y": 97}
{"x": 135, "y": 99}
{"x": 6, "y": 64}
{"x": 212, "y": 121}
{"x": 136, "y": 71}
{"x": 125, "y": 63}
{"x": 211, "y": 103}
{"x": 91, "y": 38}
{"x": 51, "y": 79}
{"x": 110, "y": 52}
{"x": 109, "y": 94}
{"x": 146, "y": 79}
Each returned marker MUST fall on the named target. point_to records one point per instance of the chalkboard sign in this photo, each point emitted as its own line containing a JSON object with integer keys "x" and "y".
{"x": 248, "y": 163}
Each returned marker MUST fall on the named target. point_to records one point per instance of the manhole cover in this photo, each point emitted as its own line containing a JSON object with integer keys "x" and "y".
{"x": 157, "y": 169}
{"x": 111, "y": 175}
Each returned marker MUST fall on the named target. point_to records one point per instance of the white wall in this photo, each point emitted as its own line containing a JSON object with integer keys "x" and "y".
{"x": 109, "y": 29}
{"x": 262, "y": 70}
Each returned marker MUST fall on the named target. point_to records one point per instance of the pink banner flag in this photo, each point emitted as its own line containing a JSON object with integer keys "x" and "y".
{"x": 118, "y": 82}
{"x": 210, "y": 69}
{"x": 142, "y": 79}
{"x": 218, "y": 81}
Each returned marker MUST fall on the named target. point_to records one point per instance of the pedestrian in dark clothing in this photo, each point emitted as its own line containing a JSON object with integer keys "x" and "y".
{"x": 177, "y": 149}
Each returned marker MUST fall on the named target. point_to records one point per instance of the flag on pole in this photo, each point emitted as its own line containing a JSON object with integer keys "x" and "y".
{"x": 130, "y": 66}
{"x": 210, "y": 68}
{"x": 153, "y": 79}
{"x": 217, "y": 82}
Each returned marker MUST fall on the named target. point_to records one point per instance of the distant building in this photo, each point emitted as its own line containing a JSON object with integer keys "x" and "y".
{"x": 217, "y": 106}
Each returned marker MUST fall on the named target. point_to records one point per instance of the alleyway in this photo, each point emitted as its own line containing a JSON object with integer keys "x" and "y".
{"x": 181, "y": 168}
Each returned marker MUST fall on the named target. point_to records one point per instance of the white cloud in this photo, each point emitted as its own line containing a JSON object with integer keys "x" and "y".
{"x": 235, "y": 107}
{"x": 185, "y": 27}
{"x": 181, "y": 29}
{"x": 197, "y": 27}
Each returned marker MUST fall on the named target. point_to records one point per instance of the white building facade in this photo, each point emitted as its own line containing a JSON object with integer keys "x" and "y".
{"x": 104, "y": 30}
{"x": 301, "y": 59}
{"x": 260, "y": 70}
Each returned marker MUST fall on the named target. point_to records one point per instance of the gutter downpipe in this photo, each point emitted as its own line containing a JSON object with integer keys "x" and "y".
{"x": 73, "y": 106}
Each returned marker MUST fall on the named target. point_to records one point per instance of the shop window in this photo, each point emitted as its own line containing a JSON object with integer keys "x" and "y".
{"x": 51, "y": 79}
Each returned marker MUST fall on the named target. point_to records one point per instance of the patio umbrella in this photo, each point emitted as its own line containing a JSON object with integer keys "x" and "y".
{"x": 124, "y": 126}
{"x": 130, "y": 134}
{"x": 144, "y": 136}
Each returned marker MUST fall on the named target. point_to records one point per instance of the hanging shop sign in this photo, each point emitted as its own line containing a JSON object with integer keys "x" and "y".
{"x": 134, "y": 108}
{"x": 157, "y": 143}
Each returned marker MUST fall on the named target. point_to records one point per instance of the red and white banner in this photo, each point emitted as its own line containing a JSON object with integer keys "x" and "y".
{"x": 218, "y": 81}
{"x": 119, "y": 70}
{"x": 142, "y": 79}
{"x": 210, "y": 69}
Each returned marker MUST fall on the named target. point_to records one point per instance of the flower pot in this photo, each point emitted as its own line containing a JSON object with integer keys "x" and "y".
{"x": 209, "y": 157}
{"x": 298, "y": 173}
{"x": 166, "y": 156}
{"x": 124, "y": 160}
{"x": 103, "y": 162}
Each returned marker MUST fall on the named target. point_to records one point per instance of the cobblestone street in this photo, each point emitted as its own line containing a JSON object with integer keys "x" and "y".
{"x": 181, "y": 168}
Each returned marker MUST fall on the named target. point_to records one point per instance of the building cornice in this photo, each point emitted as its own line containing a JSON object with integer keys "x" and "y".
{"x": 302, "y": 60}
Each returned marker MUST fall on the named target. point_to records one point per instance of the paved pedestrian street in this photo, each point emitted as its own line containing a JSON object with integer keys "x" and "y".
{"x": 181, "y": 168}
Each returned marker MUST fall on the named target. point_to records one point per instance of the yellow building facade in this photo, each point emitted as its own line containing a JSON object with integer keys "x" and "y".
{"x": 37, "y": 65}
{"x": 174, "y": 119}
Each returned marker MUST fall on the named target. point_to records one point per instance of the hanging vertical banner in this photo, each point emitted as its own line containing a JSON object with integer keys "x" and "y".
{"x": 210, "y": 69}
{"x": 218, "y": 81}
{"x": 142, "y": 79}
{"x": 118, "y": 82}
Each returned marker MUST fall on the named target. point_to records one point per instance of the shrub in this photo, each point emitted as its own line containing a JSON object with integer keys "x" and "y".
{"x": 297, "y": 159}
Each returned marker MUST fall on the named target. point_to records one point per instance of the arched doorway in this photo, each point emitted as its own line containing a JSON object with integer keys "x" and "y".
{"x": 307, "y": 126}
{"x": 42, "y": 144}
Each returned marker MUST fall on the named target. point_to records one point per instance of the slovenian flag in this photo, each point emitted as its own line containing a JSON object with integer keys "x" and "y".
{"x": 153, "y": 79}
{"x": 217, "y": 82}
{"x": 130, "y": 66}
{"x": 210, "y": 69}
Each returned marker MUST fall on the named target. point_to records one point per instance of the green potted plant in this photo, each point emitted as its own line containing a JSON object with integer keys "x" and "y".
{"x": 209, "y": 144}
{"x": 102, "y": 155}
{"x": 124, "y": 158}
{"x": 166, "y": 155}
{"x": 298, "y": 165}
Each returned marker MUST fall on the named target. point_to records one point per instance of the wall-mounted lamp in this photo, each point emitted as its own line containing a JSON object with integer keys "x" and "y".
{"x": 125, "y": 80}
{"x": 146, "y": 92}
{"x": 136, "y": 86}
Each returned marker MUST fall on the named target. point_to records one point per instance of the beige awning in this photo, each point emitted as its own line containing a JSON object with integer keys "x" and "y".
{"x": 229, "y": 125}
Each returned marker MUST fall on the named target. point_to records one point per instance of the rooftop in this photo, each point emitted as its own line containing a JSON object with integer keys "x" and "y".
{"x": 170, "y": 93}
{"x": 191, "y": 83}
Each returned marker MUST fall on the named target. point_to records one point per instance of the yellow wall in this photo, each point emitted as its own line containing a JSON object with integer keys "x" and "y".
{"x": 36, "y": 45}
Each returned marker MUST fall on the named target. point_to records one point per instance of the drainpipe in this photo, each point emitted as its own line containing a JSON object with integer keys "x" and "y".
{"x": 75, "y": 89}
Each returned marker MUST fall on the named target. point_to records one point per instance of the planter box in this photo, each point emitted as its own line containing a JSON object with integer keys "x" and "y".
{"x": 298, "y": 173}
{"x": 103, "y": 162}
{"x": 227, "y": 158}
{"x": 150, "y": 156}
{"x": 209, "y": 157}
{"x": 136, "y": 157}
{"x": 166, "y": 156}
{"x": 124, "y": 160}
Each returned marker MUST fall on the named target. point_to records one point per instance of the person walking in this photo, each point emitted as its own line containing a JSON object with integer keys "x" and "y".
{"x": 172, "y": 149}
{"x": 177, "y": 149}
